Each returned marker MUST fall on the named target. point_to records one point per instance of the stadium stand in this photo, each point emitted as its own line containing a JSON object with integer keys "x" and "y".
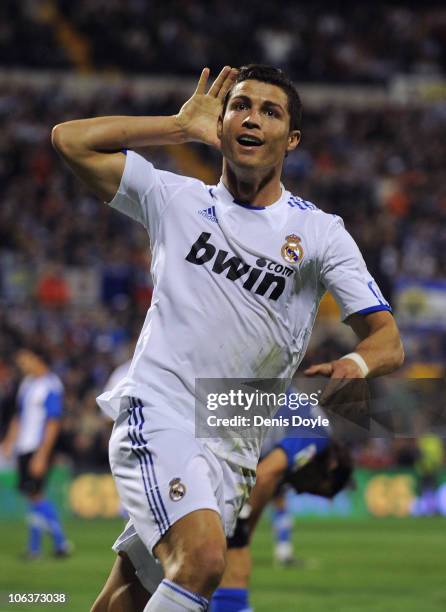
{"x": 339, "y": 42}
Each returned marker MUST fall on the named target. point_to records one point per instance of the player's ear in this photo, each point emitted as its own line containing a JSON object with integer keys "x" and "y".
{"x": 293, "y": 140}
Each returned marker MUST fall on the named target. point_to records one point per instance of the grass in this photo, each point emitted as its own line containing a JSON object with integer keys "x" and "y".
{"x": 387, "y": 565}
{"x": 364, "y": 566}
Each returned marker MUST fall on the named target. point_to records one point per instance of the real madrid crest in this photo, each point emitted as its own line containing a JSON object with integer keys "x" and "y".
{"x": 292, "y": 251}
{"x": 177, "y": 489}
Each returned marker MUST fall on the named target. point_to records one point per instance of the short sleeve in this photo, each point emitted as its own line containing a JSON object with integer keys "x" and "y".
{"x": 19, "y": 398}
{"x": 144, "y": 191}
{"x": 54, "y": 405}
{"x": 345, "y": 275}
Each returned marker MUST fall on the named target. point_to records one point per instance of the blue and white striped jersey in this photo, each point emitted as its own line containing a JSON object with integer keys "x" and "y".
{"x": 39, "y": 399}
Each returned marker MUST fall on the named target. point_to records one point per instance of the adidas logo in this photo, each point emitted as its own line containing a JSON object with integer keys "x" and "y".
{"x": 209, "y": 214}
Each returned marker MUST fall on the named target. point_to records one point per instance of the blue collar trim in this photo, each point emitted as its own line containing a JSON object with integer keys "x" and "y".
{"x": 249, "y": 206}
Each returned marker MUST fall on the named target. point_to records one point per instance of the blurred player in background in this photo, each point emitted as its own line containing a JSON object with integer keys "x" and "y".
{"x": 282, "y": 522}
{"x": 239, "y": 270}
{"x": 32, "y": 436}
{"x": 429, "y": 463}
{"x": 316, "y": 465}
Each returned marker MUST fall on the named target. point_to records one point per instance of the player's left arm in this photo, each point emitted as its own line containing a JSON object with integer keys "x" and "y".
{"x": 380, "y": 342}
{"x": 344, "y": 273}
{"x": 380, "y": 347}
{"x": 40, "y": 461}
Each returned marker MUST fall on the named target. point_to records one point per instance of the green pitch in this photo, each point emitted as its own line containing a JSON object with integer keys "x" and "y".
{"x": 350, "y": 566}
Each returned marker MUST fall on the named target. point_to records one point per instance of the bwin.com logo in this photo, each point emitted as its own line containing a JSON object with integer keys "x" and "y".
{"x": 209, "y": 214}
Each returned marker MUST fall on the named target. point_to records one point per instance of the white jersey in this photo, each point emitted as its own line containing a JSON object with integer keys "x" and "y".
{"x": 115, "y": 377}
{"x": 39, "y": 398}
{"x": 236, "y": 290}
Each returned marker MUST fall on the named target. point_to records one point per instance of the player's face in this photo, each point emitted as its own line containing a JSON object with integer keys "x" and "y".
{"x": 25, "y": 361}
{"x": 255, "y": 129}
{"x": 28, "y": 362}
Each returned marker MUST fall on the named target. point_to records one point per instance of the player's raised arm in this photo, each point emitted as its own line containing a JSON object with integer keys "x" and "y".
{"x": 93, "y": 147}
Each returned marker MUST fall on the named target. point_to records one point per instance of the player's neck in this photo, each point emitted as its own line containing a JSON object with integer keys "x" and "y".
{"x": 252, "y": 188}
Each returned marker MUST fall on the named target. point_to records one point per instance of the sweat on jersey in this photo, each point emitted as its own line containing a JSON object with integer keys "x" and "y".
{"x": 236, "y": 290}
{"x": 39, "y": 398}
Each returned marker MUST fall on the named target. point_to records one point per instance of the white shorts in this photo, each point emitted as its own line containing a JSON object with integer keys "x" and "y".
{"x": 163, "y": 475}
{"x": 148, "y": 570}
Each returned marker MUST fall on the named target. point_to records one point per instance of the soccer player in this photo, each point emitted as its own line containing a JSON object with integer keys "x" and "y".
{"x": 309, "y": 465}
{"x": 32, "y": 435}
{"x": 239, "y": 269}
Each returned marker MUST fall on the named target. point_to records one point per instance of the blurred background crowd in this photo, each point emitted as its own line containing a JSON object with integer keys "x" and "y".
{"x": 75, "y": 275}
{"x": 317, "y": 41}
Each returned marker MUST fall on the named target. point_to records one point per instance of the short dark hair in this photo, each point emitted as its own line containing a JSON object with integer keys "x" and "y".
{"x": 341, "y": 475}
{"x": 275, "y": 76}
{"x": 318, "y": 478}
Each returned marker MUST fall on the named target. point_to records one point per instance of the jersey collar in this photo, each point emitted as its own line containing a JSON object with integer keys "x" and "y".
{"x": 221, "y": 192}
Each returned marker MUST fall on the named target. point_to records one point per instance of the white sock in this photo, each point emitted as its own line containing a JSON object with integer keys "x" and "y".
{"x": 171, "y": 597}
